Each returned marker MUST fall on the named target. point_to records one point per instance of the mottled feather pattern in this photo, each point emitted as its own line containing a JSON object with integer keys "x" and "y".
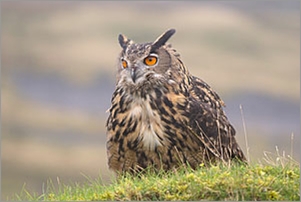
{"x": 165, "y": 117}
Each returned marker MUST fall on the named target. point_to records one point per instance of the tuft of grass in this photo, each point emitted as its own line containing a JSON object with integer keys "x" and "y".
{"x": 218, "y": 182}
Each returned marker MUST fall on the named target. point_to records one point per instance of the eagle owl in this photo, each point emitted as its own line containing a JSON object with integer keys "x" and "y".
{"x": 161, "y": 115}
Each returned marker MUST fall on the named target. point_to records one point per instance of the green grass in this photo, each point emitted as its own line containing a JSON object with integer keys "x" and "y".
{"x": 275, "y": 181}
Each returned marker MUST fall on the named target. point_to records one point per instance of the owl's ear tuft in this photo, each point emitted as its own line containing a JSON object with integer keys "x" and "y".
{"x": 124, "y": 41}
{"x": 161, "y": 40}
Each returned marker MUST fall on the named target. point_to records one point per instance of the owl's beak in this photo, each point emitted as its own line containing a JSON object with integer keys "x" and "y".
{"x": 133, "y": 73}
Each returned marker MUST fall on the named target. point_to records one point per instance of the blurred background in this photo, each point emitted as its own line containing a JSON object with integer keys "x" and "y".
{"x": 58, "y": 65}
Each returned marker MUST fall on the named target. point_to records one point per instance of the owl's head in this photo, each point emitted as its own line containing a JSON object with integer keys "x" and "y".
{"x": 142, "y": 62}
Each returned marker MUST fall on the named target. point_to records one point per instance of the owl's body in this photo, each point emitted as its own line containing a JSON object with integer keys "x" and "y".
{"x": 162, "y": 116}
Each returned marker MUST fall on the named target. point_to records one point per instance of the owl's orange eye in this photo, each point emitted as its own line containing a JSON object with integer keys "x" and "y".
{"x": 150, "y": 60}
{"x": 124, "y": 64}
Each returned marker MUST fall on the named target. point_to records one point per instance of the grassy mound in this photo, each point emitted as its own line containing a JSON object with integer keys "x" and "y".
{"x": 220, "y": 182}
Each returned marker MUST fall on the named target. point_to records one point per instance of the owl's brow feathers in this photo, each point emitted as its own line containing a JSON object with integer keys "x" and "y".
{"x": 160, "y": 41}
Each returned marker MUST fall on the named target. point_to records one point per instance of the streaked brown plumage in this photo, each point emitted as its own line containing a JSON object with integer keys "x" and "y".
{"x": 161, "y": 115}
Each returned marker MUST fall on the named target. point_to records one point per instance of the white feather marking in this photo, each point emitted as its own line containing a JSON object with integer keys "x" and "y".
{"x": 150, "y": 139}
{"x": 136, "y": 111}
{"x": 150, "y": 127}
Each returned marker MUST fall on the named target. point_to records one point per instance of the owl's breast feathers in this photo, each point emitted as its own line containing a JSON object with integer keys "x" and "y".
{"x": 165, "y": 124}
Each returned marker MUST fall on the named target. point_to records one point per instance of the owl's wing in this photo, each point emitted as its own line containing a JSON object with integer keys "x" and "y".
{"x": 208, "y": 122}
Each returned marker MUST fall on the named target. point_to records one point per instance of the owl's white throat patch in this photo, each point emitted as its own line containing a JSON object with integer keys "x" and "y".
{"x": 150, "y": 127}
